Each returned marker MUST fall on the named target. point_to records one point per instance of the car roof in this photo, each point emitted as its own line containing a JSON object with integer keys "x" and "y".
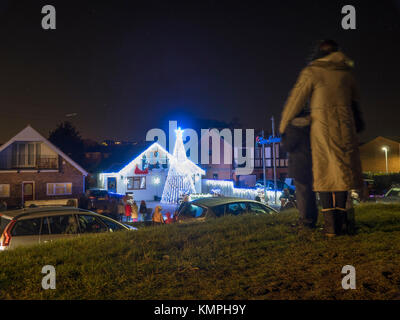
{"x": 40, "y": 211}
{"x": 217, "y": 201}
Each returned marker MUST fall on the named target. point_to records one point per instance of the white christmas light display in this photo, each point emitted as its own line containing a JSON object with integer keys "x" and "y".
{"x": 181, "y": 173}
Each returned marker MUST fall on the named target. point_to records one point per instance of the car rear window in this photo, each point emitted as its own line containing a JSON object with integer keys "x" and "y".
{"x": 27, "y": 227}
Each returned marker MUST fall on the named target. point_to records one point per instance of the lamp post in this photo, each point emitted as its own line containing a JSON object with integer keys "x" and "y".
{"x": 273, "y": 154}
{"x": 386, "y": 158}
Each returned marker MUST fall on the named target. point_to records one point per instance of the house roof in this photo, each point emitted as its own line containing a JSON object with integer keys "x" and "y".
{"x": 394, "y": 139}
{"x": 121, "y": 156}
{"x": 30, "y": 134}
{"x": 117, "y": 168}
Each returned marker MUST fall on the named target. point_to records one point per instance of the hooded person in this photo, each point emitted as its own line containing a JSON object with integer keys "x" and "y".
{"x": 329, "y": 86}
{"x": 135, "y": 210}
{"x": 157, "y": 216}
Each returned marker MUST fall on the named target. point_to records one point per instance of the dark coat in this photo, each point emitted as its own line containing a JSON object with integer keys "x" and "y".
{"x": 296, "y": 141}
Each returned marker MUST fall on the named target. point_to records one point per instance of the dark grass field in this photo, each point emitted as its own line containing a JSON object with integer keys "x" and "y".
{"x": 246, "y": 257}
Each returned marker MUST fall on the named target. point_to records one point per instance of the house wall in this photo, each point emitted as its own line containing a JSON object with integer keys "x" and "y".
{"x": 226, "y": 171}
{"x": 152, "y": 188}
{"x": 67, "y": 173}
{"x": 223, "y": 169}
{"x": 373, "y": 157}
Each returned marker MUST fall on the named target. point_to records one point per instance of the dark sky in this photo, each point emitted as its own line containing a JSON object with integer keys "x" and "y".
{"x": 127, "y": 67}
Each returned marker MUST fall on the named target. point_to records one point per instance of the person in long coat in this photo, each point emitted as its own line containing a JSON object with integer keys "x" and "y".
{"x": 330, "y": 87}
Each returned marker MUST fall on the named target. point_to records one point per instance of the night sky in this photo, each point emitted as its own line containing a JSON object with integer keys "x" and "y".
{"x": 127, "y": 67}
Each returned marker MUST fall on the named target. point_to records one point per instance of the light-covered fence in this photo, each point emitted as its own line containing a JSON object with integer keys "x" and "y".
{"x": 227, "y": 189}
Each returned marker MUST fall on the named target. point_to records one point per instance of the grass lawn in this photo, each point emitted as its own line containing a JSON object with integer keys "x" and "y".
{"x": 245, "y": 257}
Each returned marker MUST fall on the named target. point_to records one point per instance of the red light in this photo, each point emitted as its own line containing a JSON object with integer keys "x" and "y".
{"x": 6, "y": 237}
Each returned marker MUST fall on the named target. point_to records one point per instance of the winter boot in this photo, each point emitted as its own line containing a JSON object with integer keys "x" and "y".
{"x": 330, "y": 222}
{"x": 341, "y": 222}
{"x": 350, "y": 222}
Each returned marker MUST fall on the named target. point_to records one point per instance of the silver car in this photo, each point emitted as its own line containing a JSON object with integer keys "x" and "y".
{"x": 392, "y": 196}
{"x": 40, "y": 225}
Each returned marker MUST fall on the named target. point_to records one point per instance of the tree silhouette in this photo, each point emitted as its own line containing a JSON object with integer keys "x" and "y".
{"x": 68, "y": 139}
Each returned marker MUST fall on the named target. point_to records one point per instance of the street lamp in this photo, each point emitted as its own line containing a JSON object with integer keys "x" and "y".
{"x": 386, "y": 158}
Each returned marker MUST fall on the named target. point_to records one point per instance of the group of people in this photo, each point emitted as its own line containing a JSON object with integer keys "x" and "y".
{"x": 319, "y": 127}
{"x": 129, "y": 211}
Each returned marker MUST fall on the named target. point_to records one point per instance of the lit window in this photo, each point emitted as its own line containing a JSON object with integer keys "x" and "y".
{"x": 136, "y": 183}
{"x": 55, "y": 189}
{"x": 4, "y": 190}
{"x": 268, "y": 152}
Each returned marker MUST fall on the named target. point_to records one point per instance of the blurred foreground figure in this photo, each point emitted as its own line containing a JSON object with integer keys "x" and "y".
{"x": 328, "y": 84}
{"x": 296, "y": 141}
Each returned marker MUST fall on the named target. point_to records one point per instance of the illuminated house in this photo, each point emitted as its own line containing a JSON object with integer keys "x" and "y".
{"x": 145, "y": 176}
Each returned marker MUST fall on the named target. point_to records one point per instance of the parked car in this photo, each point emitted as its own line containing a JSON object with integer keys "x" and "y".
{"x": 393, "y": 195}
{"x": 98, "y": 198}
{"x": 40, "y": 225}
{"x": 214, "y": 207}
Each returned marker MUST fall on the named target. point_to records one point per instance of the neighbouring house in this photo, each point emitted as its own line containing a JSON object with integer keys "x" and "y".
{"x": 224, "y": 167}
{"x": 32, "y": 168}
{"x": 144, "y": 177}
{"x": 281, "y": 165}
{"x": 378, "y": 153}
{"x": 221, "y": 168}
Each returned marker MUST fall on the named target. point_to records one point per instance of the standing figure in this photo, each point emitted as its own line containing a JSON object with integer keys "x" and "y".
{"x": 121, "y": 210}
{"x": 158, "y": 218}
{"x": 128, "y": 208}
{"x": 134, "y": 211}
{"x": 169, "y": 219}
{"x": 143, "y": 210}
{"x": 296, "y": 141}
{"x": 329, "y": 86}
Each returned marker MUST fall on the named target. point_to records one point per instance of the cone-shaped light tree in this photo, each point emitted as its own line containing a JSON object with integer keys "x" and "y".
{"x": 181, "y": 173}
